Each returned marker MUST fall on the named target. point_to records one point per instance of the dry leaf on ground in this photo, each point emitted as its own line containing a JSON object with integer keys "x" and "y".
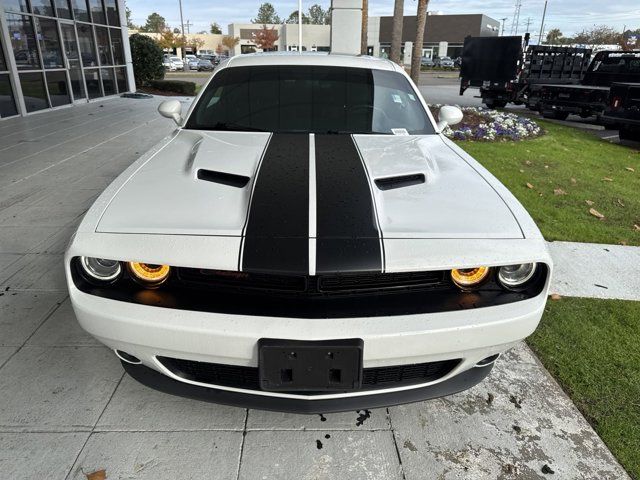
{"x": 607, "y": 179}
{"x": 574, "y": 181}
{"x": 97, "y": 475}
{"x": 636, "y": 227}
{"x": 620, "y": 202}
{"x": 529, "y": 185}
{"x": 596, "y": 213}
{"x": 590, "y": 203}
{"x": 559, "y": 191}
{"x": 555, "y": 296}
{"x": 630, "y": 169}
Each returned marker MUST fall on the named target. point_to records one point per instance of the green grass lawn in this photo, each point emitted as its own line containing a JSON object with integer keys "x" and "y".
{"x": 592, "y": 347}
{"x": 571, "y": 172}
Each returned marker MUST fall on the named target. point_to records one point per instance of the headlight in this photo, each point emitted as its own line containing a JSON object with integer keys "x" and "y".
{"x": 101, "y": 269}
{"x": 469, "y": 277}
{"x": 149, "y": 274}
{"x": 516, "y": 275}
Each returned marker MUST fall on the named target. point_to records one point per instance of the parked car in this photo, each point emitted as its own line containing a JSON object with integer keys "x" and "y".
{"x": 177, "y": 62}
{"x": 192, "y": 64}
{"x": 204, "y": 65}
{"x": 427, "y": 62}
{"x": 168, "y": 64}
{"x": 214, "y": 59}
{"x": 444, "y": 62}
{"x": 337, "y": 252}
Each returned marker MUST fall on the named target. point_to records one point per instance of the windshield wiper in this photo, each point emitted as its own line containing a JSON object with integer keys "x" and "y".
{"x": 234, "y": 127}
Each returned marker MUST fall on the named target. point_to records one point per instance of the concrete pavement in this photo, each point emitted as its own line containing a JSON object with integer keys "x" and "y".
{"x": 67, "y": 408}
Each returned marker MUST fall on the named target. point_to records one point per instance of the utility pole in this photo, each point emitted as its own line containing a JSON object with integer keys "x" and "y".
{"x": 544, "y": 16}
{"x": 528, "y": 24}
{"x": 182, "y": 27}
{"x": 516, "y": 18}
{"x": 503, "y": 22}
{"x": 188, "y": 24}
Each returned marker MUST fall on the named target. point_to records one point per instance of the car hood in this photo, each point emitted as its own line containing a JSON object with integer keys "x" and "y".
{"x": 202, "y": 183}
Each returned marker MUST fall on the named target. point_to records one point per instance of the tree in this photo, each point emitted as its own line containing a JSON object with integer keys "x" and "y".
{"x": 176, "y": 30}
{"x": 267, "y": 14}
{"x": 598, "y": 35}
{"x": 265, "y": 38}
{"x": 168, "y": 40}
{"x": 146, "y": 56}
{"x": 554, "y": 36}
{"x": 230, "y": 42}
{"x": 130, "y": 24}
{"x": 219, "y": 49}
{"x": 396, "y": 32}
{"x": 155, "y": 24}
{"x": 215, "y": 28}
{"x": 195, "y": 43}
{"x": 318, "y": 15}
{"x": 416, "y": 56}
{"x": 364, "y": 33}
{"x": 293, "y": 18}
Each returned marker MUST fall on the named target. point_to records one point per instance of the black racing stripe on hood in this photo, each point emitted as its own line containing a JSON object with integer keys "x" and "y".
{"x": 277, "y": 232}
{"x": 348, "y": 238}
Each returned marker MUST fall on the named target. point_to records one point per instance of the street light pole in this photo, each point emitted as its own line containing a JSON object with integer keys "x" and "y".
{"x": 182, "y": 27}
{"x": 503, "y": 22}
{"x": 544, "y": 15}
{"x": 300, "y": 25}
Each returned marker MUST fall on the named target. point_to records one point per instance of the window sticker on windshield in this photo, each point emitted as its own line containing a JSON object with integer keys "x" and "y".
{"x": 399, "y": 131}
{"x": 396, "y": 98}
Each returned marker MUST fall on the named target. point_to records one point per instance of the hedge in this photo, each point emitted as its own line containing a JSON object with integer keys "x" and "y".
{"x": 146, "y": 56}
{"x": 175, "y": 86}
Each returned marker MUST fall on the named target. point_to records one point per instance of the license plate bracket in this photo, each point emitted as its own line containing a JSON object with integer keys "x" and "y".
{"x": 294, "y": 365}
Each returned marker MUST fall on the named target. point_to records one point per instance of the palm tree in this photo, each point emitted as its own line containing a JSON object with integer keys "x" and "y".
{"x": 364, "y": 43}
{"x": 396, "y": 33}
{"x": 416, "y": 55}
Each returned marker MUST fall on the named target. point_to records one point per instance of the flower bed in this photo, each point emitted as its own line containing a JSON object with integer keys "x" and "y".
{"x": 480, "y": 124}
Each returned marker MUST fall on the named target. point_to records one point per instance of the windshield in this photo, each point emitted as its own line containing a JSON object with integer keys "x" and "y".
{"x": 310, "y": 99}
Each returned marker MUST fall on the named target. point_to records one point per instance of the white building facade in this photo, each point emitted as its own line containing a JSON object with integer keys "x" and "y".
{"x": 54, "y": 53}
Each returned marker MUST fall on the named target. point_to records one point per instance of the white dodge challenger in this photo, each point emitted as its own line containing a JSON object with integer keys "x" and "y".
{"x": 308, "y": 240}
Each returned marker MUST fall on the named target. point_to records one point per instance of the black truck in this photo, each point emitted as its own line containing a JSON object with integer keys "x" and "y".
{"x": 509, "y": 70}
{"x": 591, "y": 96}
{"x": 623, "y": 111}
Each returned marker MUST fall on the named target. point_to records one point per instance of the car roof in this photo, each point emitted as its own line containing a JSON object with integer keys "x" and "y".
{"x": 311, "y": 58}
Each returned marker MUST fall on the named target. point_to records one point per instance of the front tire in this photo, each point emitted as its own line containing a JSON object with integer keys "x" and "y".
{"x": 555, "y": 115}
{"x": 627, "y": 133}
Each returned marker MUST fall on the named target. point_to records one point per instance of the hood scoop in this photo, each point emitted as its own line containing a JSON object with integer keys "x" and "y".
{"x": 400, "y": 181}
{"x": 223, "y": 178}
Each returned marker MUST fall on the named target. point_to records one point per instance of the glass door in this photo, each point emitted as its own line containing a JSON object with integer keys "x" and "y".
{"x": 72, "y": 58}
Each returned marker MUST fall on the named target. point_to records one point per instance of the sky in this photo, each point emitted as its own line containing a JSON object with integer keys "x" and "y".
{"x": 570, "y": 16}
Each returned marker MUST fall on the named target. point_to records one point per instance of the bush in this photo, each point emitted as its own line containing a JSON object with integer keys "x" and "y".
{"x": 174, "y": 86}
{"x": 146, "y": 55}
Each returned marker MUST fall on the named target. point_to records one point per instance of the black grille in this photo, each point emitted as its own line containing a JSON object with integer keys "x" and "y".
{"x": 247, "y": 377}
{"x": 323, "y": 285}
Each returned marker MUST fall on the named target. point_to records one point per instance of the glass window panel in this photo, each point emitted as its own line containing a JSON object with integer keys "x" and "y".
{"x": 116, "y": 46}
{"x": 93, "y": 83}
{"x": 104, "y": 50}
{"x": 97, "y": 12}
{"x": 112, "y": 12}
{"x": 7, "y": 101}
{"x": 87, "y": 46}
{"x": 108, "y": 81}
{"x": 42, "y": 7}
{"x": 23, "y": 42}
{"x": 121, "y": 79}
{"x": 58, "y": 88}
{"x": 49, "y": 43}
{"x": 80, "y": 11}
{"x": 64, "y": 10}
{"x": 15, "y": 6}
{"x": 3, "y": 64}
{"x": 35, "y": 96}
{"x": 76, "y": 83}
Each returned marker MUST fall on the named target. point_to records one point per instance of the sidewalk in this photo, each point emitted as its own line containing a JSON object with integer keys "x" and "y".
{"x": 596, "y": 271}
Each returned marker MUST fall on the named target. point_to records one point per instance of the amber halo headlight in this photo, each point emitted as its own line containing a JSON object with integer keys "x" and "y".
{"x": 467, "y": 278}
{"x": 101, "y": 269}
{"x": 513, "y": 276}
{"x": 149, "y": 274}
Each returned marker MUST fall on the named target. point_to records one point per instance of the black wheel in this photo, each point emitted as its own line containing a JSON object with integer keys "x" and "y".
{"x": 627, "y": 133}
{"x": 491, "y": 103}
{"x": 556, "y": 115}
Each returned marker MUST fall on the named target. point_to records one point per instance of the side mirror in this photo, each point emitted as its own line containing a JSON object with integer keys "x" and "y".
{"x": 171, "y": 109}
{"x": 449, "y": 116}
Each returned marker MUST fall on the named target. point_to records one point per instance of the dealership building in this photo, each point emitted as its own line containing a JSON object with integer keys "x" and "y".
{"x": 58, "y": 52}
